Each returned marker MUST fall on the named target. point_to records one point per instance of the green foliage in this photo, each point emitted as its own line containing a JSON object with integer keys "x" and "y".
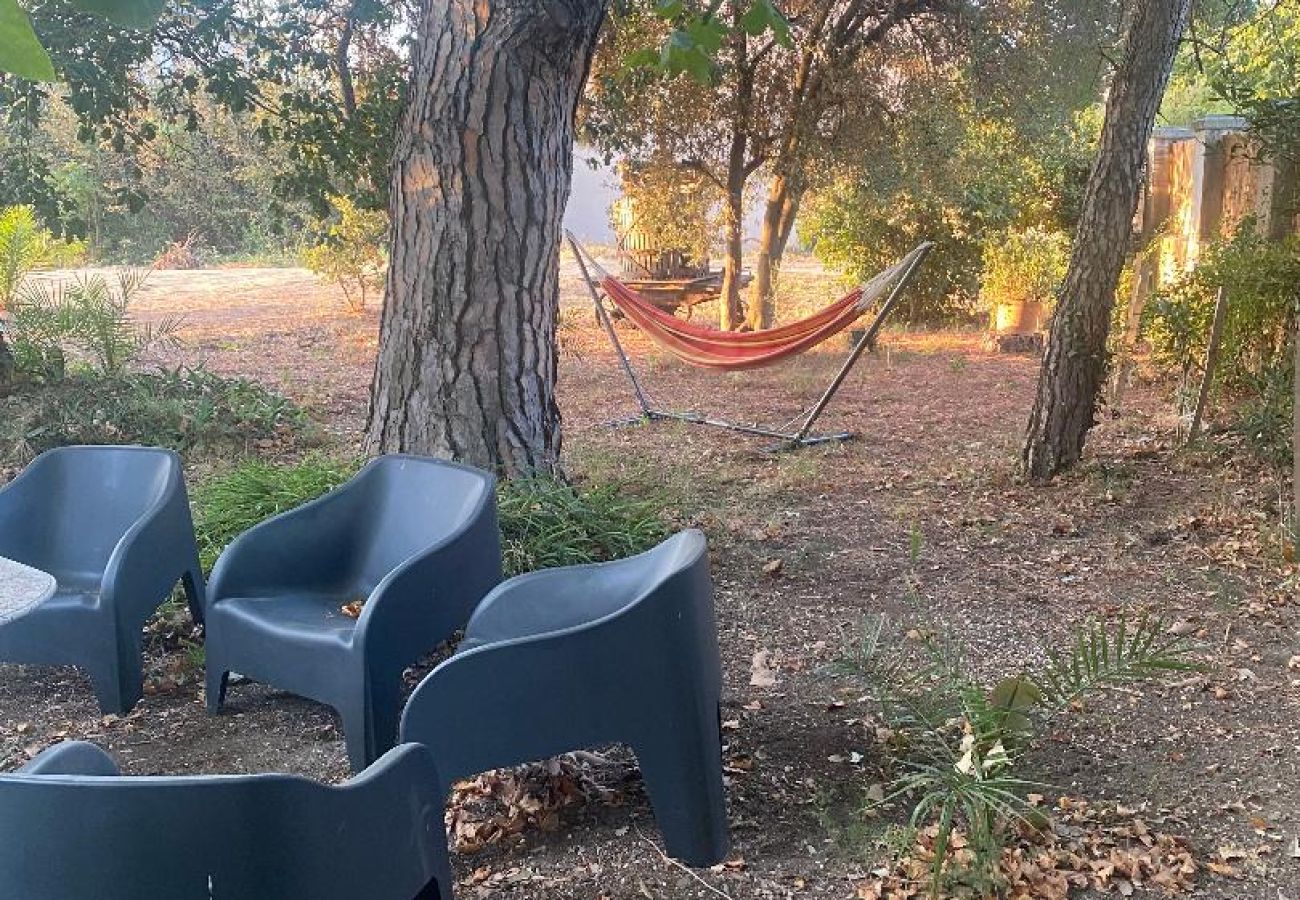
{"x": 230, "y": 503}
{"x": 546, "y": 522}
{"x": 184, "y": 409}
{"x": 1024, "y": 264}
{"x": 945, "y": 172}
{"x": 352, "y": 252}
{"x": 672, "y": 207}
{"x": 83, "y": 319}
{"x": 697, "y": 35}
{"x": 21, "y": 52}
{"x": 1256, "y": 356}
{"x": 25, "y": 247}
{"x": 964, "y": 740}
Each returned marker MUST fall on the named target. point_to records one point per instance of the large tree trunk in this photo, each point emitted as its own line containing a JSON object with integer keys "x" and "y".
{"x": 467, "y": 353}
{"x": 1075, "y": 363}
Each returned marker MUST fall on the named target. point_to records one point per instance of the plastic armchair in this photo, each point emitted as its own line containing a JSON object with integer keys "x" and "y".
{"x": 72, "y": 828}
{"x": 563, "y": 659}
{"x": 113, "y": 526}
{"x": 415, "y": 538}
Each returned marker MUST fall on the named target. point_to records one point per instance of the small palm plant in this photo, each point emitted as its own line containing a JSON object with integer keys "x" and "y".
{"x": 87, "y": 317}
{"x": 963, "y": 740}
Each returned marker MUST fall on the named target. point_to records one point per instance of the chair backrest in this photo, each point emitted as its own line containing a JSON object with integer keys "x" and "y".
{"x": 411, "y": 503}
{"x": 84, "y": 499}
{"x": 252, "y": 837}
{"x": 590, "y": 593}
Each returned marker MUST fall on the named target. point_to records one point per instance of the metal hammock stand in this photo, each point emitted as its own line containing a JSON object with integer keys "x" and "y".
{"x": 801, "y": 435}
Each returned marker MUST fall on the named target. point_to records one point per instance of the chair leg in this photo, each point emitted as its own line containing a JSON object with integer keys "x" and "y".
{"x": 118, "y": 682}
{"x": 385, "y": 704}
{"x": 357, "y": 735}
{"x": 216, "y": 681}
{"x": 193, "y": 585}
{"x": 682, "y": 769}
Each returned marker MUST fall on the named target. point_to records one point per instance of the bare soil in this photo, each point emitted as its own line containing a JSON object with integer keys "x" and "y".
{"x": 1143, "y": 526}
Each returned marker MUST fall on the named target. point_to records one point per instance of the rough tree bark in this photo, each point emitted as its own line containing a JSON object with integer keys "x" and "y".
{"x": 1074, "y": 366}
{"x": 481, "y": 173}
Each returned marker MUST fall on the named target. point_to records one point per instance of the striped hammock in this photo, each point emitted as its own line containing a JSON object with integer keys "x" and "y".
{"x": 712, "y": 348}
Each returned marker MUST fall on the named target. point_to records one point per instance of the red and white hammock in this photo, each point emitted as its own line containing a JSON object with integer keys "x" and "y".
{"x": 713, "y": 348}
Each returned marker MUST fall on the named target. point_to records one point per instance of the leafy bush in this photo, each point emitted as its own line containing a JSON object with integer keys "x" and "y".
{"x": 1256, "y": 354}
{"x": 1262, "y": 280}
{"x": 26, "y": 246}
{"x": 184, "y": 409}
{"x": 1024, "y": 264}
{"x": 229, "y": 504}
{"x": 963, "y": 740}
{"x": 85, "y": 319}
{"x": 352, "y": 252}
{"x": 544, "y": 522}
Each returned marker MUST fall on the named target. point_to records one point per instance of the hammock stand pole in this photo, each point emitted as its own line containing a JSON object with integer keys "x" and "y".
{"x": 785, "y": 440}
{"x": 867, "y": 340}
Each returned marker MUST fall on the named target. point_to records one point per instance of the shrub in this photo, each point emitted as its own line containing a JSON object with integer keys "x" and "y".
{"x": 352, "y": 252}
{"x": 1024, "y": 264}
{"x": 1262, "y": 280}
{"x": 26, "y": 246}
{"x": 184, "y": 409}
{"x": 1256, "y": 356}
{"x": 544, "y": 522}
{"x": 229, "y": 504}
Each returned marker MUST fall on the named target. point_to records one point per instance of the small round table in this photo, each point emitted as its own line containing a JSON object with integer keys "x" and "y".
{"x": 22, "y": 589}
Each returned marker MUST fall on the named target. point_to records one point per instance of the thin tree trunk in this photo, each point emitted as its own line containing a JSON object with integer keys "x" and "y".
{"x": 730, "y": 313}
{"x": 1075, "y": 363}
{"x": 467, "y": 352}
{"x": 1295, "y": 438}
{"x": 778, "y": 221}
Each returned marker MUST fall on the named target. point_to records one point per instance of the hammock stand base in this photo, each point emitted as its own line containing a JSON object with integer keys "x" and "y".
{"x": 803, "y": 436}
{"x": 785, "y": 440}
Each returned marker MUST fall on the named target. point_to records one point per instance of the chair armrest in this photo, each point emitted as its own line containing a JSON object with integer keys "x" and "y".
{"x": 72, "y": 758}
{"x": 522, "y": 606}
{"x": 20, "y": 509}
{"x": 431, "y": 596}
{"x": 309, "y": 546}
{"x": 150, "y": 557}
{"x": 530, "y": 698}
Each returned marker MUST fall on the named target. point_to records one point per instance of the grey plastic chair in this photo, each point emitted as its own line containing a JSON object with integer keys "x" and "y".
{"x": 72, "y": 828}
{"x": 113, "y": 526}
{"x": 562, "y": 659}
{"x": 415, "y": 538}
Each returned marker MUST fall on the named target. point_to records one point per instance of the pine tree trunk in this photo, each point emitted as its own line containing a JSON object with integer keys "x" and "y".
{"x": 481, "y": 172}
{"x": 1075, "y": 363}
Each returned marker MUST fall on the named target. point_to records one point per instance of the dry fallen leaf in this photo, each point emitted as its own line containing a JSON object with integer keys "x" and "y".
{"x": 761, "y": 672}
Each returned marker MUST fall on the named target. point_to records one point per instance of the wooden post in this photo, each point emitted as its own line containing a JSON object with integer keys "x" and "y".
{"x": 1295, "y": 441}
{"x": 1211, "y": 358}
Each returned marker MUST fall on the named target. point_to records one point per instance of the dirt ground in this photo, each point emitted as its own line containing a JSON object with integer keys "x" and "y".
{"x": 1189, "y": 536}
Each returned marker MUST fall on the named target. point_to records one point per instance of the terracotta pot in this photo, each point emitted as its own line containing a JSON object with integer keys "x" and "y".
{"x": 1019, "y": 317}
